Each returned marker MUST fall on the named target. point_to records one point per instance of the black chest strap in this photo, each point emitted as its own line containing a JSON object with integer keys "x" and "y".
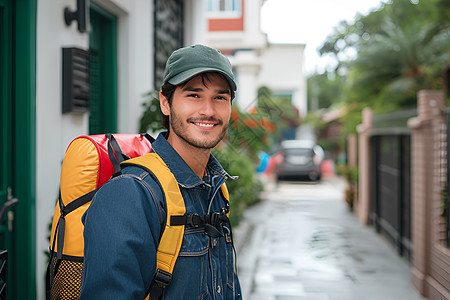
{"x": 212, "y": 222}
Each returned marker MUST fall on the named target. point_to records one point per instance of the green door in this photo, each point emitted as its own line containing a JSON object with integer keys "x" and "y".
{"x": 6, "y": 127}
{"x": 17, "y": 144}
{"x": 103, "y": 66}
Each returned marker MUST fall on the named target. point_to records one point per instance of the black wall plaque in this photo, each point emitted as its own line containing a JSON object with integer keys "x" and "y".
{"x": 76, "y": 87}
{"x": 168, "y": 34}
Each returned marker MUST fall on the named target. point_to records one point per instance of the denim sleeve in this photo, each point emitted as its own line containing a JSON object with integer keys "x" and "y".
{"x": 121, "y": 234}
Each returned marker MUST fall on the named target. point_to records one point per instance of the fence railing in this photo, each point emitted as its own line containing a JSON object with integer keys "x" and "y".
{"x": 446, "y": 200}
{"x": 391, "y": 178}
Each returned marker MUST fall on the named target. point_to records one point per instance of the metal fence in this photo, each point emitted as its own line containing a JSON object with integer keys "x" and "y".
{"x": 446, "y": 195}
{"x": 391, "y": 179}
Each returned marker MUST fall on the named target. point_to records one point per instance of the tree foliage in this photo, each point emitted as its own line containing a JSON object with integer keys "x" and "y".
{"x": 386, "y": 57}
{"x": 324, "y": 90}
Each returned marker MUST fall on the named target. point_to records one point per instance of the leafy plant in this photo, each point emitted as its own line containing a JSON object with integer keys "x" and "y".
{"x": 151, "y": 119}
{"x": 352, "y": 177}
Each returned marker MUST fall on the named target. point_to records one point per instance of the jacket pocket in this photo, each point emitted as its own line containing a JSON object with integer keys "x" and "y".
{"x": 190, "y": 276}
{"x": 195, "y": 242}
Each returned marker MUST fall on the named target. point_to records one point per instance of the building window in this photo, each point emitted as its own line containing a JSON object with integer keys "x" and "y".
{"x": 224, "y": 8}
{"x": 224, "y": 5}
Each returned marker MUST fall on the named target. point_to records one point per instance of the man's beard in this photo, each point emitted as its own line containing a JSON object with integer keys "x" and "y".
{"x": 178, "y": 127}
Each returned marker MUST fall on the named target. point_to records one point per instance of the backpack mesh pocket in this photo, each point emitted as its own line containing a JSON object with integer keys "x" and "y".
{"x": 66, "y": 283}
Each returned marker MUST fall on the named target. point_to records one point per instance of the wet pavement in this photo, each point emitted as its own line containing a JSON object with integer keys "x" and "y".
{"x": 302, "y": 242}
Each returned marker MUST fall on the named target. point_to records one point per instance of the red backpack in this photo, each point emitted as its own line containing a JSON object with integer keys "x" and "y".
{"x": 89, "y": 162}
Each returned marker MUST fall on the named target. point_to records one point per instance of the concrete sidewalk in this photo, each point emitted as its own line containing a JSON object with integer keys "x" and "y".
{"x": 302, "y": 242}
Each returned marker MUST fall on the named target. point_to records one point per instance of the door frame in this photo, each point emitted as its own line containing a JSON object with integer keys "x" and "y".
{"x": 6, "y": 27}
{"x": 24, "y": 149}
{"x": 108, "y": 65}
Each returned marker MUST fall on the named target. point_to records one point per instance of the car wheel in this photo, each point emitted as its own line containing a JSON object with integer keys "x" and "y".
{"x": 314, "y": 176}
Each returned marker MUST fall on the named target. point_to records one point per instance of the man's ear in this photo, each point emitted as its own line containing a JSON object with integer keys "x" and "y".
{"x": 164, "y": 104}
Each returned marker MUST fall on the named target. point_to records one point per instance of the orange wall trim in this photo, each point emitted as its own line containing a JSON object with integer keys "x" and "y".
{"x": 227, "y": 51}
{"x": 226, "y": 24}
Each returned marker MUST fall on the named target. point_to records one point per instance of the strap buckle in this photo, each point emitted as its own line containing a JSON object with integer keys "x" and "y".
{"x": 162, "y": 278}
{"x": 190, "y": 220}
{"x": 218, "y": 219}
{"x": 215, "y": 219}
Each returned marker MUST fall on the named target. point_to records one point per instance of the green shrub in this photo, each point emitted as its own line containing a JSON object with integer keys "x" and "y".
{"x": 151, "y": 119}
{"x": 351, "y": 175}
{"x": 245, "y": 190}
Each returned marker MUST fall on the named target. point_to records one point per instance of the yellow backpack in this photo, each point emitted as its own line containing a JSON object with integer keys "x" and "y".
{"x": 89, "y": 162}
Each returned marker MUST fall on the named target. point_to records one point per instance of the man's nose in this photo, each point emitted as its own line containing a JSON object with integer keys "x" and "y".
{"x": 207, "y": 108}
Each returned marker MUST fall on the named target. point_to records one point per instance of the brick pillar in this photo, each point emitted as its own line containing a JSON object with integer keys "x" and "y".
{"x": 352, "y": 150}
{"x": 430, "y": 103}
{"x": 364, "y": 160}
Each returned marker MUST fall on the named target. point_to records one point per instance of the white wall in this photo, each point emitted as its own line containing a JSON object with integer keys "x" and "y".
{"x": 282, "y": 71}
{"x": 195, "y": 23}
{"x": 135, "y": 62}
{"x": 247, "y": 66}
{"x": 54, "y": 131}
{"x": 252, "y": 24}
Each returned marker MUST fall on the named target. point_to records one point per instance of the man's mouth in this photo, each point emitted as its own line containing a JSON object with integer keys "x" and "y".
{"x": 204, "y": 125}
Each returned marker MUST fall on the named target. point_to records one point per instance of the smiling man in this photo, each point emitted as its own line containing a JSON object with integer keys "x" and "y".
{"x": 124, "y": 223}
{"x": 198, "y": 116}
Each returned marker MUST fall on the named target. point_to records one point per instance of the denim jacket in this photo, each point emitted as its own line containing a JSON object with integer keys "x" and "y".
{"x": 123, "y": 227}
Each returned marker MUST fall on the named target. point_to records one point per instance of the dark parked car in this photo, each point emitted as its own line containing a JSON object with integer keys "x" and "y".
{"x": 298, "y": 159}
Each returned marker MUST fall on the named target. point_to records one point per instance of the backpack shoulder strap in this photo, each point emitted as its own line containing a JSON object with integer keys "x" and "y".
{"x": 226, "y": 195}
{"x": 172, "y": 237}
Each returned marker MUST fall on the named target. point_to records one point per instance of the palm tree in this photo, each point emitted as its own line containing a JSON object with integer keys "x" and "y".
{"x": 400, "y": 49}
{"x": 400, "y": 60}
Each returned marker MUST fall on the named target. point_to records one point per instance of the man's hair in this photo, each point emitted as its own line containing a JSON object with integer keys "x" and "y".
{"x": 167, "y": 90}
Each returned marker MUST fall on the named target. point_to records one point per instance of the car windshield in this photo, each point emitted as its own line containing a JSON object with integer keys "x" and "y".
{"x": 298, "y": 152}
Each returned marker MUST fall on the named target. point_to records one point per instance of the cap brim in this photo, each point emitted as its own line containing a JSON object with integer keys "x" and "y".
{"x": 189, "y": 74}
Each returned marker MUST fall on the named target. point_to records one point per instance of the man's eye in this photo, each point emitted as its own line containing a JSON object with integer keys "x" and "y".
{"x": 221, "y": 98}
{"x": 193, "y": 95}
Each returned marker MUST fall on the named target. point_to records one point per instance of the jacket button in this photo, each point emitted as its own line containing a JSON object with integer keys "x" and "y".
{"x": 218, "y": 289}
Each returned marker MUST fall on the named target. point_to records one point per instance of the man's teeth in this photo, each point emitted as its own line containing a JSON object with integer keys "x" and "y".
{"x": 204, "y": 125}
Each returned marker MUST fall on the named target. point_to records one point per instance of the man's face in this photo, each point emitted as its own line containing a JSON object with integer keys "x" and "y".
{"x": 200, "y": 111}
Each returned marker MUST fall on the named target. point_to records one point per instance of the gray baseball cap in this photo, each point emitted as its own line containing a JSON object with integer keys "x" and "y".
{"x": 187, "y": 62}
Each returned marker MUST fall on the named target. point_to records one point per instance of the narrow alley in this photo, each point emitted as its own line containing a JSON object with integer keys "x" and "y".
{"x": 302, "y": 242}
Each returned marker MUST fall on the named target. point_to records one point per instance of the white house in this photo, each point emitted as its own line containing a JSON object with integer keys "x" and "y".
{"x": 234, "y": 27}
{"x": 125, "y": 45}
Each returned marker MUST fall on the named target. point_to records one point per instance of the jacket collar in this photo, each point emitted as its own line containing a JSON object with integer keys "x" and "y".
{"x": 182, "y": 172}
